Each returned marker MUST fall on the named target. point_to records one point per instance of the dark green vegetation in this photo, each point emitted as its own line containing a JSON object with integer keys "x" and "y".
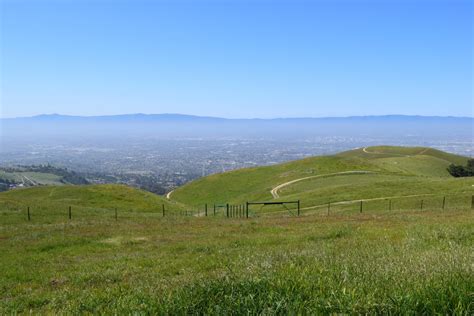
{"x": 412, "y": 259}
{"x": 462, "y": 171}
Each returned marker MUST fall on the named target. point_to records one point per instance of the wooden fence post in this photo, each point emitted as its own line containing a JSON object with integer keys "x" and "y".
{"x": 472, "y": 202}
{"x": 29, "y": 217}
{"x": 205, "y": 209}
{"x": 390, "y": 204}
{"x": 298, "y": 207}
{"x": 214, "y": 210}
{"x": 70, "y": 213}
{"x": 421, "y": 206}
{"x": 444, "y": 202}
{"x": 163, "y": 209}
{"x": 227, "y": 209}
{"x": 360, "y": 206}
{"x": 329, "y": 207}
{"x": 247, "y": 209}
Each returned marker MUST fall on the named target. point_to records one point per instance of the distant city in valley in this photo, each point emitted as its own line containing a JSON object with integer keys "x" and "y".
{"x": 164, "y": 154}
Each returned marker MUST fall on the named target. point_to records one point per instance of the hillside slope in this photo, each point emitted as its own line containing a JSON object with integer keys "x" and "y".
{"x": 86, "y": 197}
{"x": 364, "y": 173}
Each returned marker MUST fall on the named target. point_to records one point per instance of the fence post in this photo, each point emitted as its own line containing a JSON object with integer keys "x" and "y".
{"x": 205, "y": 209}
{"x": 298, "y": 207}
{"x": 227, "y": 209}
{"x": 390, "y": 204}
{"x": 421, "y": 206}
{"x": 163, "y": 209}
{"x": 70, "y": 213}
{"x": 360, "y": 206}
{"x": 329, "y": 207}
{"x": 115, "y": 213}
{"x": 214, "y": 210}
{"x": 247, "y": 209}
{"x": 29, "y": 217}
{"x": 472, "y": 203}
{"x": 444, "y": 202}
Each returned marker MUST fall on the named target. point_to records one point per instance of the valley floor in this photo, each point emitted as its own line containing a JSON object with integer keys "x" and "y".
{"x": 374, "y": 262}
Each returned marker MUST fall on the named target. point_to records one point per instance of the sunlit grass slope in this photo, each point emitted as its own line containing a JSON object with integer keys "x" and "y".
{"x": 394, "y": 171}
{"x": 48, "y": 200}
{"x": 371, "y": 263}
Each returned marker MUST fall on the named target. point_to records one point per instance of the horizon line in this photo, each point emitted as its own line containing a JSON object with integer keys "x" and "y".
{"x": 237, "y": 118}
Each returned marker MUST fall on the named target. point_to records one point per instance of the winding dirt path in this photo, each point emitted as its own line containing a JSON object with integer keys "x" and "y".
{"x": 168, "y": 195}
{"x": 275, "y": 190}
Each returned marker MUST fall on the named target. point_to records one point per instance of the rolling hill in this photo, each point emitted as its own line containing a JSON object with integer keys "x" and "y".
{"x": 85, "y": 199}
{"x": 361, "y": 174}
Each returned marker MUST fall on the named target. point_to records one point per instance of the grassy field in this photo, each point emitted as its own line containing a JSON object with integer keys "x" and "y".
{"x": 397, "y": 262}
{"x": 32, "y": 178}
{"x": 47, "y": 203}
{"x": 410, "y": 250}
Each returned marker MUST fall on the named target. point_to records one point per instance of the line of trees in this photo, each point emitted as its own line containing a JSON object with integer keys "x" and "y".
{"x": 462, "y": 171}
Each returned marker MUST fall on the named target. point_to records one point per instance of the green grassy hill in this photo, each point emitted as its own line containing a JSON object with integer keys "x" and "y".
{"x": 366, "y": 173}
{"x": 84, "y": 199}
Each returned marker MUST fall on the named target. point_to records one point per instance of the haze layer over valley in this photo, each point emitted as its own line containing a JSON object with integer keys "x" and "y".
{"x": 170, "y": 150}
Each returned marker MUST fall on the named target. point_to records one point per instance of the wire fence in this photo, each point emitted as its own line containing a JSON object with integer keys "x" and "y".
{"x": 49, "y": 213}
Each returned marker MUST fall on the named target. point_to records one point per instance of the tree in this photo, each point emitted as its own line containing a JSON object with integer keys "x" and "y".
{"x": 462, "y": 171}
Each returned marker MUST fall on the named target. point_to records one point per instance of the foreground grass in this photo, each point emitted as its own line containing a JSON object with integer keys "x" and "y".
{"x": 398, "y": 262}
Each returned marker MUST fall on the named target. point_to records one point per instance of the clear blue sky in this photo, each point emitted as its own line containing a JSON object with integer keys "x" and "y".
{"x": 237, "y": 58}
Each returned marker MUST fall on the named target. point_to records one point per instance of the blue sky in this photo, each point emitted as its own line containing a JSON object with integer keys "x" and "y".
{"x": 237, "y": 58}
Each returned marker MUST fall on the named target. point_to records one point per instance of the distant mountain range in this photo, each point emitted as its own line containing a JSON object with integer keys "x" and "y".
{"x": 179, "y": 125}
{"x": 185, "y": 117}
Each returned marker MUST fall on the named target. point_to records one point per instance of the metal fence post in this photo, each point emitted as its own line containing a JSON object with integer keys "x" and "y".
{"x": 29, "y": 217}
{"x": 247, "y": 209}
{"x": 163, "y": 209}
{"x": 361, "y": 206}
{"x": 444, "y": 202}
{"x": 227, "y": 209}
{"x": 205, "y": 209}
{"x": 298, "y": 207}
{"x": 70, "y": 213}
{"x": 329, "y": 207}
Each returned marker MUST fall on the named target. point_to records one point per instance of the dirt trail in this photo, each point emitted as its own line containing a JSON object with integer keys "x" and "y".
{"x": 275, "y": 190}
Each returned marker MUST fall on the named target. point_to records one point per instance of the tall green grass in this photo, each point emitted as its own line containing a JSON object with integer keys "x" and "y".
{"x": 403, "y": 262}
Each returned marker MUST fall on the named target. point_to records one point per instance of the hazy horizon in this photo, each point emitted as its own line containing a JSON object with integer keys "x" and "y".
{"x": 235, "y": 118}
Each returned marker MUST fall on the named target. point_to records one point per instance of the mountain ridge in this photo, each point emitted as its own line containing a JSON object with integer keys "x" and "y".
{"x": 190, "y": 116}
